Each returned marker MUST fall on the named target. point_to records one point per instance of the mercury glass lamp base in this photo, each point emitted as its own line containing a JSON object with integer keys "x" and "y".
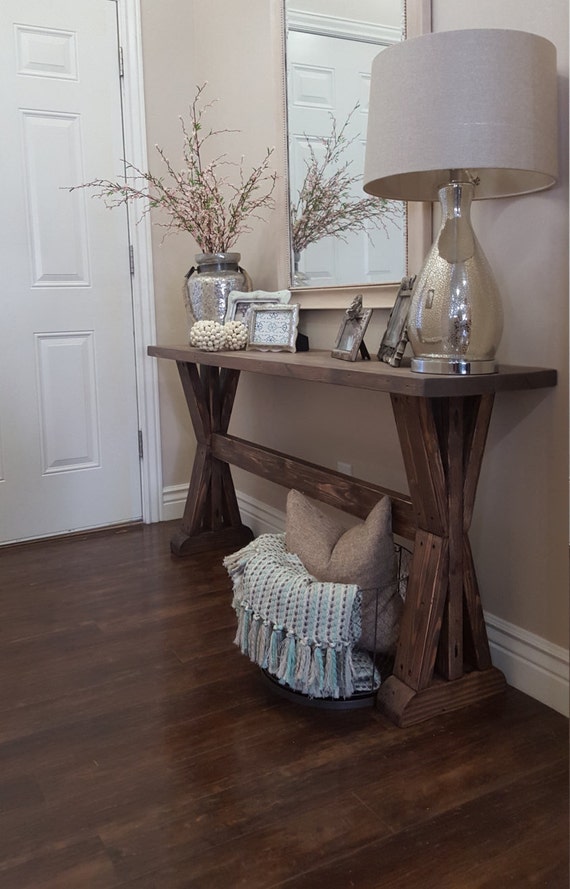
{"x": 452, "y": 366}
{"x": 455, "y": 318}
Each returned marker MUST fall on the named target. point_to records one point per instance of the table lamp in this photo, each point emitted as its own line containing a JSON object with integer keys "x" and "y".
{"x": 460, "y": 116}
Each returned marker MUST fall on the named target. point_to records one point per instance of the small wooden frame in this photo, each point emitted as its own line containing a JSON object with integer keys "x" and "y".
{"x": 350, "y": 337}
{"x": 395, "y": 339}
{"x": 273, "y": 328}
{"x": 239, "y": 303}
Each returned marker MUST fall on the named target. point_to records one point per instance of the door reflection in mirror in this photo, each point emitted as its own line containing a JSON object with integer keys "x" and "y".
{"x": 338, "y": 236}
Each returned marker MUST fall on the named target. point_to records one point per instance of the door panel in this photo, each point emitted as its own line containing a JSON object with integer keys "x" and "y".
{"x": 68, "y": 407}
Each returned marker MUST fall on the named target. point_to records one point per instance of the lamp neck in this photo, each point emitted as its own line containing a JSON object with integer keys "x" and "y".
{"x": 455, "y": 199}
{"x": 456, "y": 239}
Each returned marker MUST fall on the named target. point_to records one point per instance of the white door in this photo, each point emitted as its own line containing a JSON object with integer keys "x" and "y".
{"x": 328, "y": 76}
{"x": 68, "y": 405}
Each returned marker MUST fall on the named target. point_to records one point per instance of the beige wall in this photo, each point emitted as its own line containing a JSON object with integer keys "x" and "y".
{"x": 520, "y": 528}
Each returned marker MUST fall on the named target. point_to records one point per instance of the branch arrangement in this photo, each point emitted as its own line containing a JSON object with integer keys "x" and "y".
{"x": 199, "y": 199}
{"x": 326, "y": 206}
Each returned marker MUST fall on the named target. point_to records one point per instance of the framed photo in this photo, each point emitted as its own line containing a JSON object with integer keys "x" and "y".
{"x": 272, "y": 327}
{"x": 349, "y": 340}
{"x": 395, "y": 339}
{"x": 239, "y": 303}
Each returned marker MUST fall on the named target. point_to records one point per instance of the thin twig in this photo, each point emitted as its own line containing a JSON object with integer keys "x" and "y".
{"x": 200, "y": 198}
{"x": 325, "y": 205}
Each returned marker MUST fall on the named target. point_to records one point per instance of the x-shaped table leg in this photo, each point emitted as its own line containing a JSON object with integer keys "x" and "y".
{"x": 211, "y": 515}
{"x": 442, "y": 659}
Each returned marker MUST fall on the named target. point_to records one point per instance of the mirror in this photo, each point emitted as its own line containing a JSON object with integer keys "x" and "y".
{"x": 340, "y": 242}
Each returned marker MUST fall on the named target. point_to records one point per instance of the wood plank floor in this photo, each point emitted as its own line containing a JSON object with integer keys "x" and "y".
{"x": 140, "y": 750}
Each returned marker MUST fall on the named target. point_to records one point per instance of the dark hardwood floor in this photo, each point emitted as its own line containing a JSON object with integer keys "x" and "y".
{"x": 140, "y": 750}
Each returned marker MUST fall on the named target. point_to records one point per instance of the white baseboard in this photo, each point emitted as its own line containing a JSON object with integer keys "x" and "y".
{"x": 173, "y": 502}
{"x": 530, "y": 663}
{"x": 261, "y": 518}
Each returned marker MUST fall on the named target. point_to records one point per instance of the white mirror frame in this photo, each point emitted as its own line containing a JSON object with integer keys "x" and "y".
{"x": 419, "y": 226}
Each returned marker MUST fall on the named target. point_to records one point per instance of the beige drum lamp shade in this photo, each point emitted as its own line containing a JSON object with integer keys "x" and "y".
{"x": 479, "y": 100}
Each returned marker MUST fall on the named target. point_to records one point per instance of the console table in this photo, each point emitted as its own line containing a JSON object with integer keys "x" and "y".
{"x": 442, "y": 660}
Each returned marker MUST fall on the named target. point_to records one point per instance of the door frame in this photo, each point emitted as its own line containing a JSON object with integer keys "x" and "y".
{"x": 142, "y": 282}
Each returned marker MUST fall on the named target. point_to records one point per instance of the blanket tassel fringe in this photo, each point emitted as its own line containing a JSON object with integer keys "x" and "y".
{"x": 314, "y": 670}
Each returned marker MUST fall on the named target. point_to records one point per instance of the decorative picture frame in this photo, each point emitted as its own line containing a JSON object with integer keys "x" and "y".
{"x": 272, "y": 327}
{"x": 395, "y": 338}
{"x": 350, "y": 337}
{"x": 239, "y": 303}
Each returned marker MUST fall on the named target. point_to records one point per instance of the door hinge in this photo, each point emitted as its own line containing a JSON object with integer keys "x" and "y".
{"x": 141, "y": 450}
{"x": 132, "y": 259}
{"x": 121, "y": 63}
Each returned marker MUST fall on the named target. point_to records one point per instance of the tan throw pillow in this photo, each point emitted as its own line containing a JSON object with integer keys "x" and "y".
{"x": 363, "y": 555}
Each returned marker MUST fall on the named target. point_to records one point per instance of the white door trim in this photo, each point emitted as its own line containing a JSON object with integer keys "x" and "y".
{"x": 144, "y": 319}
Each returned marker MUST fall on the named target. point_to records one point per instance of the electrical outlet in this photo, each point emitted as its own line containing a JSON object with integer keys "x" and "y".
{"x": 344, "y": 467}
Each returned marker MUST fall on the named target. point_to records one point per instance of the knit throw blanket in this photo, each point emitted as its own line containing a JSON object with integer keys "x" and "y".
{"x": 300, "y": 630}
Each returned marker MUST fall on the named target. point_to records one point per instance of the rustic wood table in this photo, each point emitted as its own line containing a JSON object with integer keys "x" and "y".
{"x": 442, "y": 660}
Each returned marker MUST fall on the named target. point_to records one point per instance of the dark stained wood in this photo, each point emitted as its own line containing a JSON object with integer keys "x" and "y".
{"x": 317, "y": 365}
{"x": 195, "y": 508}
{"x": 230, "y": 504}
{"x": 211, "y": 514}
{"x": 197, "y": 406}
{"x": 350, "y": 494}
{"x": 211, "y": 383}
{"x": 405, "y": 706}
{"x": 421, "y": 451}
{"x": 478, "y": 420}
{"x": 478, "y": 653}
{"x": 421, "y": 621}
{"x": 450, "y": 650}
{"x": 442, "y": 442}
{"x": 140, "y": 750}
{"x": 442, "y": 424}
{"x": 496, "y": 857}
{"x": 182, "y": 544}
{"x": 229, "y": 380}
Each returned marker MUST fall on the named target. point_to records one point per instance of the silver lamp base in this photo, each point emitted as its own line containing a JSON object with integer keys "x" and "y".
{"x": 452, "y": 367}
{"x": 455, "y": 319}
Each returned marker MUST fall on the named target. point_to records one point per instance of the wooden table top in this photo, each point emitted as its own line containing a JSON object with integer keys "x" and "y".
{"x": 318, "y": 366}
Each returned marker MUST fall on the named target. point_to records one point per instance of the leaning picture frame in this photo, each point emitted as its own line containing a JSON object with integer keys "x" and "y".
{"x": 272, "y": 327}
{"x": 395, "y": 338}
{"x": 350, "y": 336}
{"x": 239, "y": 303}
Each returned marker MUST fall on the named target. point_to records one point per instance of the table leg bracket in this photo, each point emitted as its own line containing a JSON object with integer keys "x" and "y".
{"x": 405, "y": 706}
{"x": 229, "y": 539}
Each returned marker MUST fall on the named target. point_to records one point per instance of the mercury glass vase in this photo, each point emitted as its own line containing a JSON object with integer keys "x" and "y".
{"x": 300, "y": 279}
{"x": 456, "y": 318}
{"x": 209, "y": 283}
